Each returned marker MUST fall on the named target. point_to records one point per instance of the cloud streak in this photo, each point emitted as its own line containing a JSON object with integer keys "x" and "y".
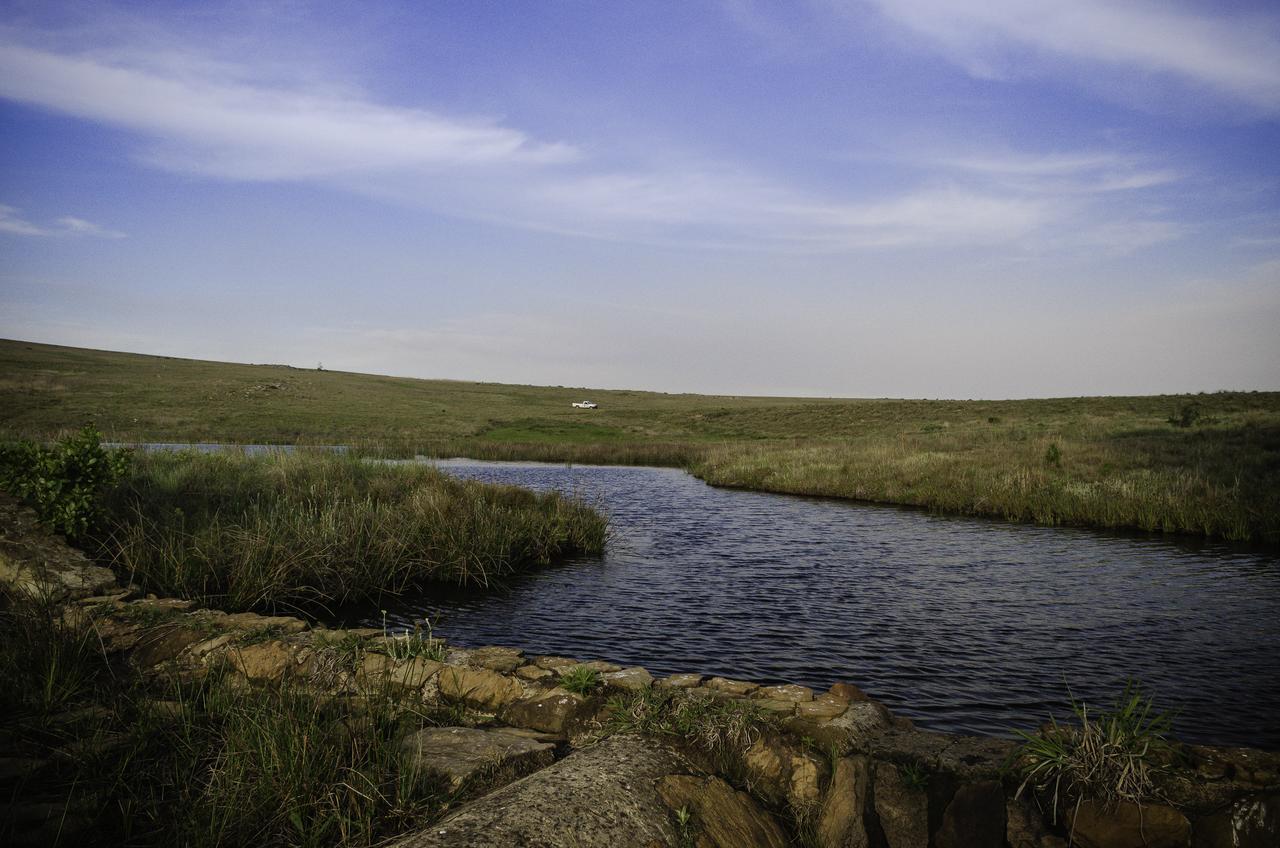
{"x": 12, "y": 222}
{"x": 1236, "y": 57}
{"x": 212, "y": 119}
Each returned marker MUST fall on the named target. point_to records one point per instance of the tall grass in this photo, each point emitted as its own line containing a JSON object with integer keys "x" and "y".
{"x": 310, "y": 529}
{"x": 208, "y": 763}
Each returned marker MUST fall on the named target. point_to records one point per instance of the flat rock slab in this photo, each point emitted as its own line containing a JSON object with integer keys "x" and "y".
{"x": 461, "y": 754}
{"x": 603, "y": 795}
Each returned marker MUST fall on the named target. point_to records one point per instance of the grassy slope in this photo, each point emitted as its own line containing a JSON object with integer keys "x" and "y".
{"x": 1122, "y": 463}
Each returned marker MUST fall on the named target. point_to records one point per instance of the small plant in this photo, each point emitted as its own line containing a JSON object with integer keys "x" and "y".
{"x": 414, "y": 643}
{"x": 914, "y": 777}
{"x": 1053, "y": 456}
{"x": 1112, "y": 756}
{"x": 64, "y": 483}
{"x": 1187, "y": 415}
{"x": 580, "y": 679}
{"x": 684, "y": 826}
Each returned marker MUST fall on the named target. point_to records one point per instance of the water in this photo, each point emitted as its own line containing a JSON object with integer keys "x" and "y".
{"x": 964, "y": 625}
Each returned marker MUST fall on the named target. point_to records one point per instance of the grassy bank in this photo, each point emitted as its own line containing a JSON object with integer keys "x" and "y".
{"x": 119, "y": 760}
{"x": 306, "y": 529}
{"x": 1122, "y": 461}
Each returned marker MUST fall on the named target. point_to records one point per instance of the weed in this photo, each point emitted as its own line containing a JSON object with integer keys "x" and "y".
{"x": 580, "y": 679}
{"x": 1053, "y": 455}
{"x": 414, "y": 643}
{"x": 914, "y": 777}
{"x": 1116, "y": 755}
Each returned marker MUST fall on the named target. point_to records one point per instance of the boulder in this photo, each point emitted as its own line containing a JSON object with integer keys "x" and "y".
{"x": 465, "y": 755}
{"x": 601, "y": 795}
{"x": 163, "y": 643}
{"x": 1125, "y": 825}
{"x": 1024, "y": 827}
{"x": 1248, "y": 823}
{"x": 494, "y": 658}
{"x": 903, "y": 810}
{"x": 778, "y": 771}
{"x": 848, "y": 692}
{"x": 553, "y": 712}
{"x": 479, "y": 688}
{"x": 731, "y": 687}
{"x": 721, "y": 817}
{"x": 853, "y": 730}
{"x": 822, "y": 707}
{"x": 681, "y": 681}
{"x": 628, "y": 679}
{"x": 269, "y": 661}
{"x": 533, "y": 672}
{"x": 974, "y": 818}
{"x": 841, "y": 820}
{"x": 785, "y": 692}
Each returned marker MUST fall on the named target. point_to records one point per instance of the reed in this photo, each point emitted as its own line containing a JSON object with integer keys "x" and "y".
{"x": 308, "y": 530}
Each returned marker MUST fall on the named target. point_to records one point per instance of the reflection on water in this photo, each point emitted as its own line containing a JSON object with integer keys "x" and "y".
{"x": 963, "y": 625}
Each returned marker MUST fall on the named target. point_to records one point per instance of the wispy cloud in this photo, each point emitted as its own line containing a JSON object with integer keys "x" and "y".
{"x": 1236, "y": 56}
{"x": 12, "y": 222}
{"x": 211, "y": 118}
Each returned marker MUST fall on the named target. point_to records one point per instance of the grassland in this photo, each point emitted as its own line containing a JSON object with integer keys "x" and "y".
{"x": 308, "y": 529}
{"x": 1106, "y": 461}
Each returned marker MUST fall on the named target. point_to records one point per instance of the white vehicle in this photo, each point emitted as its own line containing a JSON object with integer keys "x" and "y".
{"x": 585, "y": 404}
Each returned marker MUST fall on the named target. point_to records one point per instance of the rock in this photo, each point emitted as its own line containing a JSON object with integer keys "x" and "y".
{"x": 271, "y": 660}
{"x": 598, "y": 666}
{"x": 786, "y": 692}
{"x": 731, "y": 687}
{"x": 1248, "y": 823}
{"x": 1024, "y": 827}
{"x": 556, "y": 664}
{"x": 848, "y": 692}
{"x": 464, "y": 755}
{"x": 163, "y": 643}
{"x": 823, "y": 707}
{"x": 903, "y": 811}
{"x": 721, "y": 816}
{"x": 494, "y": 658}
{"x": 478, "y": 687}
{"x": 976, "y": 758}
{"x": 853, "y": 730}
{"x": 680, "y": 681}
{"x": 200, "y": 650}
{"x": 628, "y": 679}
{"x": 601, "y": 795}
{"x": 414, "y": 673}
{"x": 553, "y": 712}
{"x": 779, "y": 772}
{"x": 253, "y": 623}
{"x": 777, "y": 707}
{"x": 974, "y": 818}
{"x": 533, "y": 672}
{"x": 841, "y": 820}
{"x": 1126, "y": 825}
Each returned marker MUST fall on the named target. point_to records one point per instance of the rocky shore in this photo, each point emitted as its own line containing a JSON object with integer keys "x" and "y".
{"x": 532, "y": 762}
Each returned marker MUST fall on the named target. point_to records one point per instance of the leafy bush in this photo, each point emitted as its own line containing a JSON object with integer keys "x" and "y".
{"x": 65, "y": 483}
{"x": 1187, "y": 415}
{"x": 1053, "y": 456}
{"x": 1115, "y": 756}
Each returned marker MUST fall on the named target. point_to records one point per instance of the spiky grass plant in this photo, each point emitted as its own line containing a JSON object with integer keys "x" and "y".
{"x": 1113, "y": 756}
{"x": 580, "y": 679}
{"x": 722, "y": 728}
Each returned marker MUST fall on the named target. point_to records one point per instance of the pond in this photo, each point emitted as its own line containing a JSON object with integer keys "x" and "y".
{"x": 964, "y": 625}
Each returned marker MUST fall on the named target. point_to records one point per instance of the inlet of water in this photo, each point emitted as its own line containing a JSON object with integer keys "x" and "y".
{"x": 964, "y": 625}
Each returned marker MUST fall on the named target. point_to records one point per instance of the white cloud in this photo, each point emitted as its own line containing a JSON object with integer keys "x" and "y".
{"x": 1237, "y": 56}
{"x": 12, "y": 222}
{"x": 212, "y": 118}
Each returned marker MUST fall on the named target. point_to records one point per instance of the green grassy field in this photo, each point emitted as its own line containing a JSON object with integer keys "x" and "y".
{"x": 1106, "y": 461}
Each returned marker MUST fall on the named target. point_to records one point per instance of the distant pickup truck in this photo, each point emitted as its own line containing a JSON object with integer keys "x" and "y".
{"x": 585, "y": 404}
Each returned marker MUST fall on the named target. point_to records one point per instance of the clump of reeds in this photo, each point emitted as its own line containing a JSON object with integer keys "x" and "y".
{"x": 309, "y": 529}
{"x": 1112, "y": 756}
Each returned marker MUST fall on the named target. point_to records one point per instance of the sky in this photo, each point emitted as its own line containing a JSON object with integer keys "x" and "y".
{"x": 858, "y": 198}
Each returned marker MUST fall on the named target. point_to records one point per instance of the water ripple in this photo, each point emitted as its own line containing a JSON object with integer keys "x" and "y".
{"x": 964, "y": 625}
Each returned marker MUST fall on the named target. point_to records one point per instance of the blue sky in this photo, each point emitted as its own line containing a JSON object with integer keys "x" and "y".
{"x": 908, "y": 198}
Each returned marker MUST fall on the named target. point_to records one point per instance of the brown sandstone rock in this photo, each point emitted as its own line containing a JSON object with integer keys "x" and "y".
{"x": 681, "y": 681}
{"x": 785, "y": 692}
{"x": 271, "y": 660}
{"x": 849, "y": 692}
{"x": 853, "y": 730}
{"x": 553, "y": 712}
{"x": 731, "y": 687}
{"x": 721, "y": 816}
{"x": 533, "y": 672}
{"x": 841, "y": 820}
{"x": 478, "y": 687}
{"x": 822, "y": 707}
{"x": 160, "y": 644}
{"x": 628, "y": 679}
{"x": 779, "y": 771}
{"x": 974, "y": 818}
{"x": 603, "y": 795}
{"x": 463, "y": 754}
{"x": 1024, "y": 827}
{"x": 1126, "y": 825}
{"x": 903, "y": 811}
{"x": 495, "y": 658}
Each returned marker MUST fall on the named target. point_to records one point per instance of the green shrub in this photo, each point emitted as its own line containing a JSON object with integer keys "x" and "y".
{"x": 1187, "y": 415}
{"x": 1113, "y": 756}
{"x": 65, "y": 483}
{"x": 1053, "y": 456}
{"x": 580, "y": 679}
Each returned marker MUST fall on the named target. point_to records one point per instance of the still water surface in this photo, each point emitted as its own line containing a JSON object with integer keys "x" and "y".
{"x": 964, "y": 625}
